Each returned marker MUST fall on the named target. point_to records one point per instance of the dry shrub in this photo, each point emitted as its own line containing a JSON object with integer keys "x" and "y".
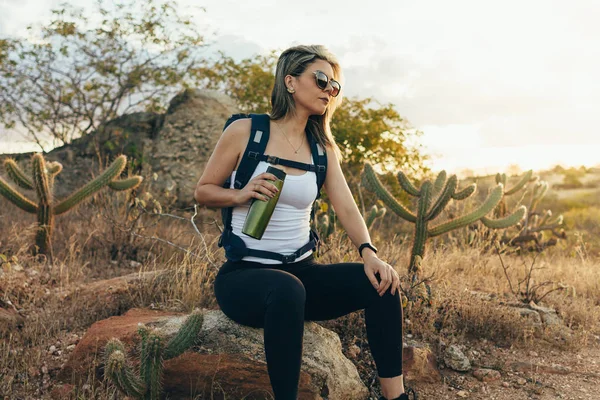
{"x": 584, "y": 226}
{"x": 459, "y": 315}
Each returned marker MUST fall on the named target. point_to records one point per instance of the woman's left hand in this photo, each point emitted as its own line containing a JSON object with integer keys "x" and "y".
{"x": 389, "y": 277}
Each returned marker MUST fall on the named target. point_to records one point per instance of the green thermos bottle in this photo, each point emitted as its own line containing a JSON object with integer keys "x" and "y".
{"x": 260, "y": 211}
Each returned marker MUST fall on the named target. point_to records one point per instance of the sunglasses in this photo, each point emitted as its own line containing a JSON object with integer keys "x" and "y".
{"x": 323, "y": 80}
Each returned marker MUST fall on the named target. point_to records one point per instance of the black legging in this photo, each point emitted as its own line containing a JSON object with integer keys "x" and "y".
{"x": 279, "y": 298}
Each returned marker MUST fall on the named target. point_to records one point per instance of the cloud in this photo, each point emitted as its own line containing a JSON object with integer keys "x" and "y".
{"x": 234, "y": 46}
{"x": 15, "y": 15}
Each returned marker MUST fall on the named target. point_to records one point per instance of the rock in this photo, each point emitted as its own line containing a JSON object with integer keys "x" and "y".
{"x": 455, "y": 359}
{"x": 486, "y": 375}
{"x": 548, "y": 315}
{"x": 420, "y": 365}
{"x": 192, "y": 126}
{"x": 524, "y": 366}
{"x": 521, "y": 381}
{"x": 230, "y": 354}
{"x": 462, "y": 393}
{"x": 532, "y": 315}
{"x": 353, "y": 351}
{"x": 109, "y": 296}
{"x": 124, "y": 327}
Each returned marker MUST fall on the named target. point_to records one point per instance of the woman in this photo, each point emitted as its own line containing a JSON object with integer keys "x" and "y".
{"x": 279, "y": 297}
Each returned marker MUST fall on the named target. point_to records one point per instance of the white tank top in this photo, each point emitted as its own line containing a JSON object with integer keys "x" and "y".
{"x": 289, "y": 227}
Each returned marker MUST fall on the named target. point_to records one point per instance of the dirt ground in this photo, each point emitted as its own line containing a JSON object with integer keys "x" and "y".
{"x": 570, "y": 375}
{"x": 559, "y": 375}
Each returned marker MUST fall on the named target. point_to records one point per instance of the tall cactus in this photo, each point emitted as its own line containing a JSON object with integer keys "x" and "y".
{"x": 147, "y": 384}
{"x": 42, "y": 182}
{"x": 432, "y": 199}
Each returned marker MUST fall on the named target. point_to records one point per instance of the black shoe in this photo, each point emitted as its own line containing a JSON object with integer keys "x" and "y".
{"x": 404, "y": 396}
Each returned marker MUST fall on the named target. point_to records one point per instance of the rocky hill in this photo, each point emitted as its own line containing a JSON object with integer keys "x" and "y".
{"x": 175, "y": 145}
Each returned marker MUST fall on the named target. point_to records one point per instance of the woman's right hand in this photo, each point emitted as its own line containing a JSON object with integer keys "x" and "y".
{"x": 260, "y": 187}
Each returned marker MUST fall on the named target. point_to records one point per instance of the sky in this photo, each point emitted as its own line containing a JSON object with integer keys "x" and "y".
{"x": 490, "y": 84}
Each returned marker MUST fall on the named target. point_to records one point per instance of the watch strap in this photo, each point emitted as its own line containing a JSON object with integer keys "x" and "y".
{"x": 364, "y": 245}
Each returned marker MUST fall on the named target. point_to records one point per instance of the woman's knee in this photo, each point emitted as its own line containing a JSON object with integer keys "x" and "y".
{"x": 389, "y": 300}
{"x": 287, "y": 291}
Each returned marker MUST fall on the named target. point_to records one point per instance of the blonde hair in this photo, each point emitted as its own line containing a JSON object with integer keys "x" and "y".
{"x": 294, "y": 62}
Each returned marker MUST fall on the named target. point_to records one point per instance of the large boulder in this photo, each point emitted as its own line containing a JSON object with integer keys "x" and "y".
{"x": 229, "y": 360}
{"x": 191, "y": 128}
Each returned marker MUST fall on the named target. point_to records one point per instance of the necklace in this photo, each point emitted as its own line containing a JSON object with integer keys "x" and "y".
{"x": 286, "y": 137}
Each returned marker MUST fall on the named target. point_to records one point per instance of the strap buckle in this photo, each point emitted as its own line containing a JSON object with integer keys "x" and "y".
{"x": 273, "y": 160}
{"x": 321, "y": 168}
{"x": 289, "y": 259}
{"x": 253, "y": 155}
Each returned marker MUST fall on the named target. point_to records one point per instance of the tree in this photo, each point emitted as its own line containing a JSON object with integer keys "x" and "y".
{"x": 249, "y": 82}
{"x": 365, "y": 130}
{"x": 78, "y": 72}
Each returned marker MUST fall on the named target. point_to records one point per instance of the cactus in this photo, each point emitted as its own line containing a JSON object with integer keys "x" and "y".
{"x": 538, "y": 222}
{"x": 47, "y": 208}
{"x": 432, "y": 200}
{"x": 324, "y": 221}
{"x": 535, "y": 223}
{"x": 148, "y": 383}
{"x": 501, "y": 210}
{"x": 374, "y": 214}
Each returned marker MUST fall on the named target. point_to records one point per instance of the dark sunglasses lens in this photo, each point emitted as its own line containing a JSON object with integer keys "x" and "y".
{"x": 335, "y": 88}
{"x": 321, "y": 80}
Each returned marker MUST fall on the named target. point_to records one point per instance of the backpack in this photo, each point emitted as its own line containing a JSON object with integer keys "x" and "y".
{"x": 235, "y": 248}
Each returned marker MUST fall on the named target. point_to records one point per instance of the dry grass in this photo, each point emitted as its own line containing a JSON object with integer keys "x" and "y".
{"x": 101, "y": 239}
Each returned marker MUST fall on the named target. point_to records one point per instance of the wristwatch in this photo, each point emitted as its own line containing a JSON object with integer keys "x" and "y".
{"x": 369, "y": 245}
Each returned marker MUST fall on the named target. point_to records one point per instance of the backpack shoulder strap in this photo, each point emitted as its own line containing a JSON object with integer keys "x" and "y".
{"x": 257, "y": 143}
{"x": 233, "y": 118}
{"x": 319, "y": 156}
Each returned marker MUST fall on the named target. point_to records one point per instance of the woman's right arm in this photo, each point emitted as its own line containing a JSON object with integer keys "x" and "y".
{"x": 224, "y": 159}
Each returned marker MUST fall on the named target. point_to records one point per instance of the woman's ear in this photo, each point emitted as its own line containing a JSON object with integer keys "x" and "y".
{"x": 290, "y": 81}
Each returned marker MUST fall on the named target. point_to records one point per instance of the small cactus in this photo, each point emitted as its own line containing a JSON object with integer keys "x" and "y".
{"x": 324, "y": 221}
{"x": 47, "y": 208}
{"x": 535, "y": 222}
{"x": 501, "y": 210}
{"x": 148, "y": 384}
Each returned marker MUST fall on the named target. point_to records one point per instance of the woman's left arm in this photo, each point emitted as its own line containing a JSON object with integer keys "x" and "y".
{"x": 347, "y": 212}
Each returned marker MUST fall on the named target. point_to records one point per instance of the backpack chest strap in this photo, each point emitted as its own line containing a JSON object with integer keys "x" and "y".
{"x": 287, "y": 163}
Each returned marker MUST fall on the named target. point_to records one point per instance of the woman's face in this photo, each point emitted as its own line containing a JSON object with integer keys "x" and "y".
{"x": 308, "y": 95}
